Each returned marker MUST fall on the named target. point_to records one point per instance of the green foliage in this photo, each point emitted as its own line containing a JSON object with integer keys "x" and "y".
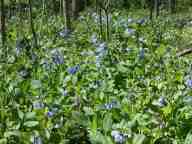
{"x": 77, "y": 88}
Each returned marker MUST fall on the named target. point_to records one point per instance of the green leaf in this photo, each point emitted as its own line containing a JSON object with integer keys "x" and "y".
{"x": 3, "y": 141}
{"x": 138, "y": 139}
{"x": 188, "y": 139}
{"x": 11, "y": 133}
{"x": 36, "y": 84}
{"x": 20, "y": 114}
{"x": 88, "y": 111}
{"x": 31, "y": 123}
{"x": 107, "y": 122}
{"x": 30, "y": 115}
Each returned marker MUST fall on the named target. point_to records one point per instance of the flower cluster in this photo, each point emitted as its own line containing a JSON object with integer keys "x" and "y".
{"x": 161, "y": 102}
{"x": 117, "y": 136}
{"x": 109, "y": 106}
{"x": 57, "y": 57}
{"x": 45, "y": 64}
{"x": 142, "y": 53}
{"x": 129, "y": 32}
{"x": 189, "y": 83}
{"x": 24, "y": 72}
{"x": 64, "y": 33}
{"x": 101, "y": 51}
{"x": 37, "y": 140}
{"x": 52, "y": 111}
{"x": 73, "y": 70}
{"x": 38, "y": 105}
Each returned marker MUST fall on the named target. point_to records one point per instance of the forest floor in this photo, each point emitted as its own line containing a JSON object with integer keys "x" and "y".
{"x": 82, "y": 86}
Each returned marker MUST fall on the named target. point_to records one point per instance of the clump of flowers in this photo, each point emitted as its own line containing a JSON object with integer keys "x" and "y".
{"x": 189, "y": 83}
{"x": 129, "y": 32}
{"x": 64, "y": 33}
{"x": 24, "y": 72}
{"x": 101, "y": 51}
{"x": 57, "y": 57}
{"x": 73, "y": 70}
{"x": 37, "y": 140}
{"x": 142, "y": 53}
{"x": 117, "y": 136}
{"x": 50, "y": 114}
{"x": 109, "y": 106}
{"x": 161, "y": 102}
{"x": 38, "y": 105}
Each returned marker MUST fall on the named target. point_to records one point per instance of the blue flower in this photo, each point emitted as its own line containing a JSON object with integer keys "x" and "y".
{"x": 37, "y": 140}
{"x": 74, "y": 69}
{"x": 101, "y": 51}
{"x": 129, "y": 32}
{"x": 142, "y": 53}
{"x": 141, "y": 21}
{"x": 162, "y": 102}
{"x": 38, "y": 105}
{"x": 50, "y": 114}
{"x": 101, "y": 48}
{"x": 117, "y": 136}
{"x": 65, "y": 93}
{"x": 65, "y": 33}
{"x": 130, "y": 20}
{"x": 108, "y": 106}
{"x": 111, "y": 105}
{"x": 94, "y": 39}
{"x": 24, "y": 73}
{"x": 33, "y": 57}
{"x": 57, "y": 57}
{"x": 189, "y": 83}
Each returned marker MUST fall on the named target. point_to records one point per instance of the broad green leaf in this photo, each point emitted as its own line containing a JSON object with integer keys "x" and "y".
{"x": 3, "y": 141}
{"x": 138, "y": 139}
{"x": 12, "y": 133}
{"x": 21, "y": 114}
{"x": 107, "y": 122}
{"x": 31, "y": 123}
{"x": 36, "y": 84}
{"x": 30, "y": 115}
{"x": 188, "y": 139}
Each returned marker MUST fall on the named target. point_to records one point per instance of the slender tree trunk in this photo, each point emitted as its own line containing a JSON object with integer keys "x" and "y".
{"x": 2, "y": 22}
{"x": 75, "y": 8}
{"x": 61, "y": 7}
{"x": 66, "y": 12}
{"x": 172, "y": 5}
{"x": 156, "y": 6}
{"x": 100, "y": 23}
{"x": 107, "y": 13}
{"x": 151, "y": 3}
{"x": 32, "y": 25}
{"x": 96, "y": 3}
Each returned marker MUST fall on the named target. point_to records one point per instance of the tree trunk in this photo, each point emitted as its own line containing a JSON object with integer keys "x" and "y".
{"x": 32, "y": 25}
{"x": 75, "y": 8}
{"x": 156, "y": 6}
{"x": 151, "y": 3}
{"x": 172, "y": 5}
{"x": 66, "y": 13}
{"x": 2, "y": 23}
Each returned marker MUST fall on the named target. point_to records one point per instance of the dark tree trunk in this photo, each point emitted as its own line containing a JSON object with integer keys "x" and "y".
{"x": 75, "y": 8}
{"x": 2, "y": 22}
{"x": 151, "y": 4}
{"x": 156, "y": 6}
{"x": 173, "y": 6}
{"x": 32, "y": 25}
{"x": 66, "y": 5}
